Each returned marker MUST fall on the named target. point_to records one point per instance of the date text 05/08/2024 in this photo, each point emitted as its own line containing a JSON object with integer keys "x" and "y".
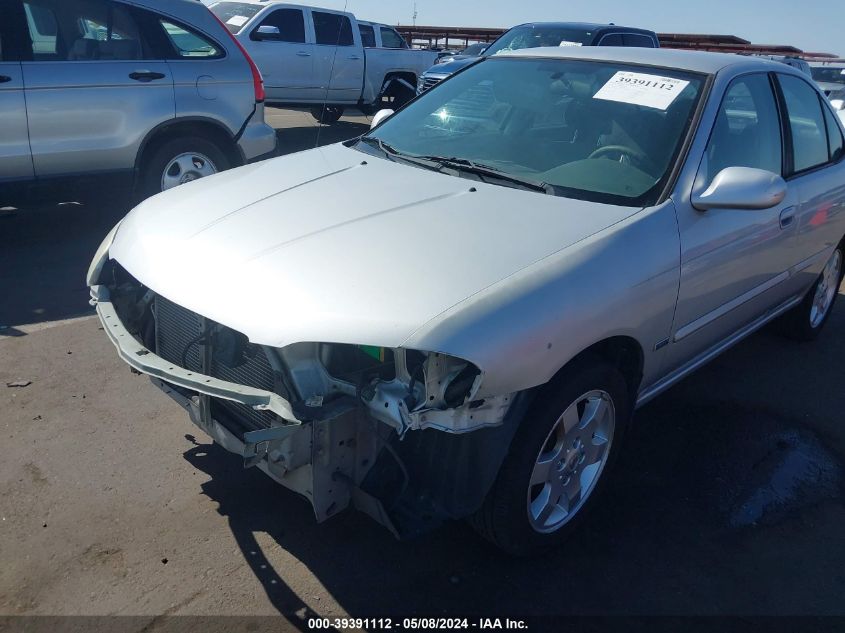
{"x": 414, "y": 624}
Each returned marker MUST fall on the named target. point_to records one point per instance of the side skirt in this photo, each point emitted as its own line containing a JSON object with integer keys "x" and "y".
{"x": 702, "y": 359}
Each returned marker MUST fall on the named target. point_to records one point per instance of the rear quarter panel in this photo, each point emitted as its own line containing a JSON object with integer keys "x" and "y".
{"x": 219, "y": 89}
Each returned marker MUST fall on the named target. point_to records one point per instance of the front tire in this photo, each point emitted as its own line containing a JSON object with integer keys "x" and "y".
{"x": 806, "y": 320}
{"x": 178, "y": 161}
{"x": 558, "y": 461}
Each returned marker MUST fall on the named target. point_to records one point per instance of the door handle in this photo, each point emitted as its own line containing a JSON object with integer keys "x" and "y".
{"x": 787, "y": 217}
{"x": 145, "y": 76}
{"x": 303, "y": 54}
{"x": 4, "y": 79}
{"x": 354, "y": 57}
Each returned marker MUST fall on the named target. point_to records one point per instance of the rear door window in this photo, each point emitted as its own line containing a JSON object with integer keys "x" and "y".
{"x": 43, "y": 31}
{"x": 82, "y": 30}
{"x": 368, "y": 35}
{"x": 806, "y": 121}
{"x": 332, "y": 29}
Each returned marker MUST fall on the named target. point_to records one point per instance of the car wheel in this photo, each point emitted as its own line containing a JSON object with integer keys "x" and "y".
{"x": 179, "y": 161}
{"x": 327, "y": 114}
{"x": 805, "y": 321}
{"x": 558, "y": 461}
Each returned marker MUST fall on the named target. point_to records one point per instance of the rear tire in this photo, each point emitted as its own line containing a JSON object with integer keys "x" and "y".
{"x": 806, "y": 320}
{"x": 180, "y": 160}
{"x": 558, "y": 463}
{"x": 327, "y": 114}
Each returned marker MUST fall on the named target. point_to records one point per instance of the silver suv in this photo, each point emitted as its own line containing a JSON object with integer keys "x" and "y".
{"x": 156, "y": 94}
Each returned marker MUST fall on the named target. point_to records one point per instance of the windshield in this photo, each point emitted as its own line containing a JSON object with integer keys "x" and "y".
{"x": 474, "y": 49}
{"x": 599, "y": 131}
{"x": 235, "y": 14}
{"x": 829, "y": 75}
{"x": 538, "y": 35}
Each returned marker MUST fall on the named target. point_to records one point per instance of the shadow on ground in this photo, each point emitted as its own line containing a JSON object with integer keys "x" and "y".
{"x": 45, "y": 251}
{"x": 754, "y": 436}
{"x": 297, "y": 139}
{"x": 45, "y": 248}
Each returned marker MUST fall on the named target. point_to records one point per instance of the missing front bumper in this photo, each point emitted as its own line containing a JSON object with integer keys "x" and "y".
{"x": 143, "y": 360}
{"x": 338, "y": 454}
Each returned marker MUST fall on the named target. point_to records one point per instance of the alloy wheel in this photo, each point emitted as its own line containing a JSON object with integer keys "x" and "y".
{"x": 827, "y": 289}
{"x": 571, "y": 461}
{"x": 185, "y": 168}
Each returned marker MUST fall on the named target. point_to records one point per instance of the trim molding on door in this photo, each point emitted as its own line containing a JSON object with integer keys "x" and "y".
{"x": 662, "y": 385}
{"x": 723, "y": 309}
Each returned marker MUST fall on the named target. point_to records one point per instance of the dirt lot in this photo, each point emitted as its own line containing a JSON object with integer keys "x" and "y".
{"x": 728, "y": 498}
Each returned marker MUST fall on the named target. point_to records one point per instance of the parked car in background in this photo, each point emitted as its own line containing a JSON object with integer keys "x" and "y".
{"x": 837, "y": 100}
{"x": 472, "y": 341}
{"x": 473, "y": 50}
{"x": 325, "y": 59}
{"x": 795, "y": 62}
{"x": 546, "y": 34}
{"x": 154, "y": 94}
{"x": 444, "y": 55}
{"x": 829, "y": 75}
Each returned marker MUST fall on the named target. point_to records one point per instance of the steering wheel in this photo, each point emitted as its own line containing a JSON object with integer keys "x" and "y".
{"x": 634, "y": 155}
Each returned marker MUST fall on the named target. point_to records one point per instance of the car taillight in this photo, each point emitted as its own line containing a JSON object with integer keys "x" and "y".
{"x": 257, "y": 80}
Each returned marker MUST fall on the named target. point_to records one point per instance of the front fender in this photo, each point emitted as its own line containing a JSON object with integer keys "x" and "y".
{"x": 622, "y": 281}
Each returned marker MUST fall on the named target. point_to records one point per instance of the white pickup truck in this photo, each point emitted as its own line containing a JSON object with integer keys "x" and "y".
{"x": 325, "y": 59}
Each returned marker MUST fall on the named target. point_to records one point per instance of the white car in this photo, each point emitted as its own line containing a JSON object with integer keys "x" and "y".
{"x": 323, "y": 58}
{"x": 456, "y": 317}
{"x": 837, "y": 100}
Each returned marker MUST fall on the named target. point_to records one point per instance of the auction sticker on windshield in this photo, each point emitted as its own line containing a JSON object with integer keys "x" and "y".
{"x": 651, "y": 91}
{"x": 564, "y": 44}
{"x": 238, "y": 20}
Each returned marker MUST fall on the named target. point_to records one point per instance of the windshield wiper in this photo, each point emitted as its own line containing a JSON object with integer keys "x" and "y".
{"x": 380, "y": 144}
{"x": 486, "y": 172}
{"x": 394, "y": 154}
{"x": 437, "y": 163}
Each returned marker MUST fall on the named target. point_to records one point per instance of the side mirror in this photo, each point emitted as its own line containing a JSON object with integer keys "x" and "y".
{"x": 380, "y": 116}
{"x": 742, "y": 188}
{"x": 267, "y": 32}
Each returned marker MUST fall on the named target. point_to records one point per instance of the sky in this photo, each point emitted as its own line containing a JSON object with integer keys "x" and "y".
{"x": 812, "y": 25}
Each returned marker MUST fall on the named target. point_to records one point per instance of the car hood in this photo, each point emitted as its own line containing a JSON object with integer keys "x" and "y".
{"x": 334, "y": 245}
{"x": 452, "y": 66}
{"x": 828, "y": 87}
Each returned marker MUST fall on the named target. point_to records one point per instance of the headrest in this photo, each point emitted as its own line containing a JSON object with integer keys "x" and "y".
{"x": 84, "y": 49}
{"x": 120, "y": 49}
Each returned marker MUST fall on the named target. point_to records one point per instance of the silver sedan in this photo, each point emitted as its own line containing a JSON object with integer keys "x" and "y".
{"x": 457, "y": 314}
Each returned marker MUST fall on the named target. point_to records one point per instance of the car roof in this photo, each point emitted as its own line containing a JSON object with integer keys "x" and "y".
{"x": 694, "y": 61}
{"x": 589, "y": 26}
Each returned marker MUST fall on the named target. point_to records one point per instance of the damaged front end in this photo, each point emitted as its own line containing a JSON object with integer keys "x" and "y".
{"x": 400, "y": 434}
